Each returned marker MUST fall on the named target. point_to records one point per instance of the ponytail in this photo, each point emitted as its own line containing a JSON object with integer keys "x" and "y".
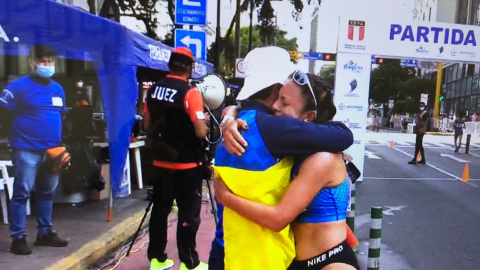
{"x": 326, "y": 109}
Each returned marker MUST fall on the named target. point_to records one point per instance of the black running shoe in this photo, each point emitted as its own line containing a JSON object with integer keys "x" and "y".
{"x": 50, "y": 240}
{"x": 413, "y": 162}
{"x": 20, "y": 247}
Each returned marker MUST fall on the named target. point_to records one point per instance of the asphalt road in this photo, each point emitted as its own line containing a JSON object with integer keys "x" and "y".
{"x": 431, "y": 217}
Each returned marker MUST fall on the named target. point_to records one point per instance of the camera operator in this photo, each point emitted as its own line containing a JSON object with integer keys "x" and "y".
{"x": 175, "y": 122}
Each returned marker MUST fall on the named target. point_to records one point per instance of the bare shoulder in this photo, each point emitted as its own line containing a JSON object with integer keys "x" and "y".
{"x": 324, "y": 159}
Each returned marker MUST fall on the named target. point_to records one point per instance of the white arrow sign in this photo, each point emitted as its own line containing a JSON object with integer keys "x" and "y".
{"x": 193, "y": 41}
{"x": 371, "y": 155}
{"x": 455, "y": 158}
{"x": 390, "y": 209}
{"x": 191, "y": 3}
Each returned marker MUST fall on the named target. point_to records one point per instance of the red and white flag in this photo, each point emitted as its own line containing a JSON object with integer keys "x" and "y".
{"x": 356, "y": 30}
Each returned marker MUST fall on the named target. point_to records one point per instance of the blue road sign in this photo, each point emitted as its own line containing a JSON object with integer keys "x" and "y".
{"x": 408, "y": 63}
{"x": 196, "y": 41}
{"x": 192, "y": 12}
{"x": 313, "y": 56}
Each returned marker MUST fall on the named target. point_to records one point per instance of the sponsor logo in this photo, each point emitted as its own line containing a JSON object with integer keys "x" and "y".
{"x": 353, "y": 87}
{"x": 354, "y": 126}
{"x": 342, "y": 106}
{"x": 455, "y": 52}
{"x": 469, "y": 54}
{"x": 356, "y": 30}
{"x": 6, "y": 96}
{"x": 354, "y": 67}
{"x": 436, "y": 35}
{"x": 158, "y": 53}
{"x": 422, "y": 50}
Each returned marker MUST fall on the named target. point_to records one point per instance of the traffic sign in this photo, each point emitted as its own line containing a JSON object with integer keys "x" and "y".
{"x": 391, "y": 103}
{"x": 196, "y": 41}
{"x": 409, "y": 63}
{"x": 193, "y": 12}
{"x": 313, "y": 56}
{"x": 424, "y": 98}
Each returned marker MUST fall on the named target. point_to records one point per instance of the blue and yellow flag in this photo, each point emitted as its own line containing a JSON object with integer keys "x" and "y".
{"x": 247, "y": 244}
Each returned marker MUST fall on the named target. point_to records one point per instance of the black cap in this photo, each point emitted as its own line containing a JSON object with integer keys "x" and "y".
{"x": 40, "y": 51}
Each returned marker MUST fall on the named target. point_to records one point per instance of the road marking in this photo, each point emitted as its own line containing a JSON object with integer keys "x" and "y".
{"x": 401, "y": 142}
{"x": 371, "y": 155}
{"x": 389, "y": 211}
{"x": 438, "y": 169}
{"x": 455, "y": 158}
{"x": 475, "y": 155}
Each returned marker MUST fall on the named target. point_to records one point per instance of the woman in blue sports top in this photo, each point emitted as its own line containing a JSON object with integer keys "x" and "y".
{"x": 458, "y": 125}
{"x": 317, "y": 199}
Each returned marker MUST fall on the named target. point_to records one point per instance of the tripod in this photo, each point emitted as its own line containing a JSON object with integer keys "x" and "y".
{"x": 150, "y": 203}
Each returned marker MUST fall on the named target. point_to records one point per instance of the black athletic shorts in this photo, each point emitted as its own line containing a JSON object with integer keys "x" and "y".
{"x": 341, "y": 253}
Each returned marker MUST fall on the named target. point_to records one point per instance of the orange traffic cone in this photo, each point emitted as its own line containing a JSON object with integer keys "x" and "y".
{"x": 466, "y": 173}
{"x": 392, "y": 144}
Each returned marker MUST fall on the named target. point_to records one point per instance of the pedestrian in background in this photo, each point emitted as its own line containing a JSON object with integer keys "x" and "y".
{"x": 458, "y": 126}
{"x": 474, "y": 117}
{"x": 35, "y": 105}
{"x": 419, "y": 130}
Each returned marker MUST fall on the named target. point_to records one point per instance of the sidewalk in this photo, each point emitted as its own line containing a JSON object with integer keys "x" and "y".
{"x": 138, "y": 257}
{"x": 90, "y": 236}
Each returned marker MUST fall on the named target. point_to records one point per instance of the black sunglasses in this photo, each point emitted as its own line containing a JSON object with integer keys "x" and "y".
{"x": 301, "y": 78}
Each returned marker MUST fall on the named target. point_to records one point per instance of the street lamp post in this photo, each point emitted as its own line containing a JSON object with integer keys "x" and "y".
{"x": 218, "y": 40}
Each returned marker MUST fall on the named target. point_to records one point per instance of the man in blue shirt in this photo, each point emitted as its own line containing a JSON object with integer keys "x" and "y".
{"x": 34, "y": 104}
{"x": 281, "y": 136}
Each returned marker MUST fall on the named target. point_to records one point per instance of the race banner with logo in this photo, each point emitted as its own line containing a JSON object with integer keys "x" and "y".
{"x": 425, "y": 40}
{"x": 351, "y": 99}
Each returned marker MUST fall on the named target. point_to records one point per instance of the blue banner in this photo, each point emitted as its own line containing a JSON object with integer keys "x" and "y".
{"x": 115, "y": 51}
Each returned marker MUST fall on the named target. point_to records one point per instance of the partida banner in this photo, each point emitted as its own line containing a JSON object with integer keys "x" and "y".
{"x": 351, "y": 99}
{"x": 425, "y": 40}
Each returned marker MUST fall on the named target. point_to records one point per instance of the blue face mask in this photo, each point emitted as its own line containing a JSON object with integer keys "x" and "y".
{"x": 45, "y": 71}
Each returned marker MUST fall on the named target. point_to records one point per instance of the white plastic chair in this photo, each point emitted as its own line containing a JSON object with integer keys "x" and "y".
{"x": 6, "y": 179}
{"x": 3, "y": 197}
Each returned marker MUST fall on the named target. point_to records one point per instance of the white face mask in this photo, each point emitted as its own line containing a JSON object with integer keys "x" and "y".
{"x": 79, "y": 84}
{"x": 422, "y": 108}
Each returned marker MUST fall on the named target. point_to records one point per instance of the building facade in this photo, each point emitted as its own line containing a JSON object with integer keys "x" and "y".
{"x": 461, "y": 88}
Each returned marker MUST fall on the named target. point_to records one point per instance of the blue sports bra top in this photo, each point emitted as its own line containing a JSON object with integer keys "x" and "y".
{"x": 330, "y": 204}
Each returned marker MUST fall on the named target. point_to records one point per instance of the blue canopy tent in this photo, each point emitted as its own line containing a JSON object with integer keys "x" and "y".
{"x": 116, "y": 51}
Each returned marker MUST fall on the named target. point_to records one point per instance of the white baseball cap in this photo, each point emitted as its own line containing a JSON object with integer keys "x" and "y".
{"x": 265, "y": 67}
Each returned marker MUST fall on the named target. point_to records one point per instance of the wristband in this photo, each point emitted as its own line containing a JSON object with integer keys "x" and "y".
{"x": 225, "y": 119}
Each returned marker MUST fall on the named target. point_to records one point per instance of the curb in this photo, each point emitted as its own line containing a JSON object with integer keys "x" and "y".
{"x": 439, "y": 134}
{"x": 96, "y": 249}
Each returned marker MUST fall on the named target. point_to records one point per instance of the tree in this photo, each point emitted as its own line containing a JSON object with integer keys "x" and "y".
{"x": 266, "y": 15}
{"x": 142, "y": 10}
{"x": 386, "y": 82}
{"x": 257, "y": 42}
{"x": 327, "y": 73}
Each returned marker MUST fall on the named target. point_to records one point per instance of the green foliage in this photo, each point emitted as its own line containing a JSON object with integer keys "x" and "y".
{"x": 327, "y": 72}
{"x": 228, "y": 58}
{"x": 400, "y": 84}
